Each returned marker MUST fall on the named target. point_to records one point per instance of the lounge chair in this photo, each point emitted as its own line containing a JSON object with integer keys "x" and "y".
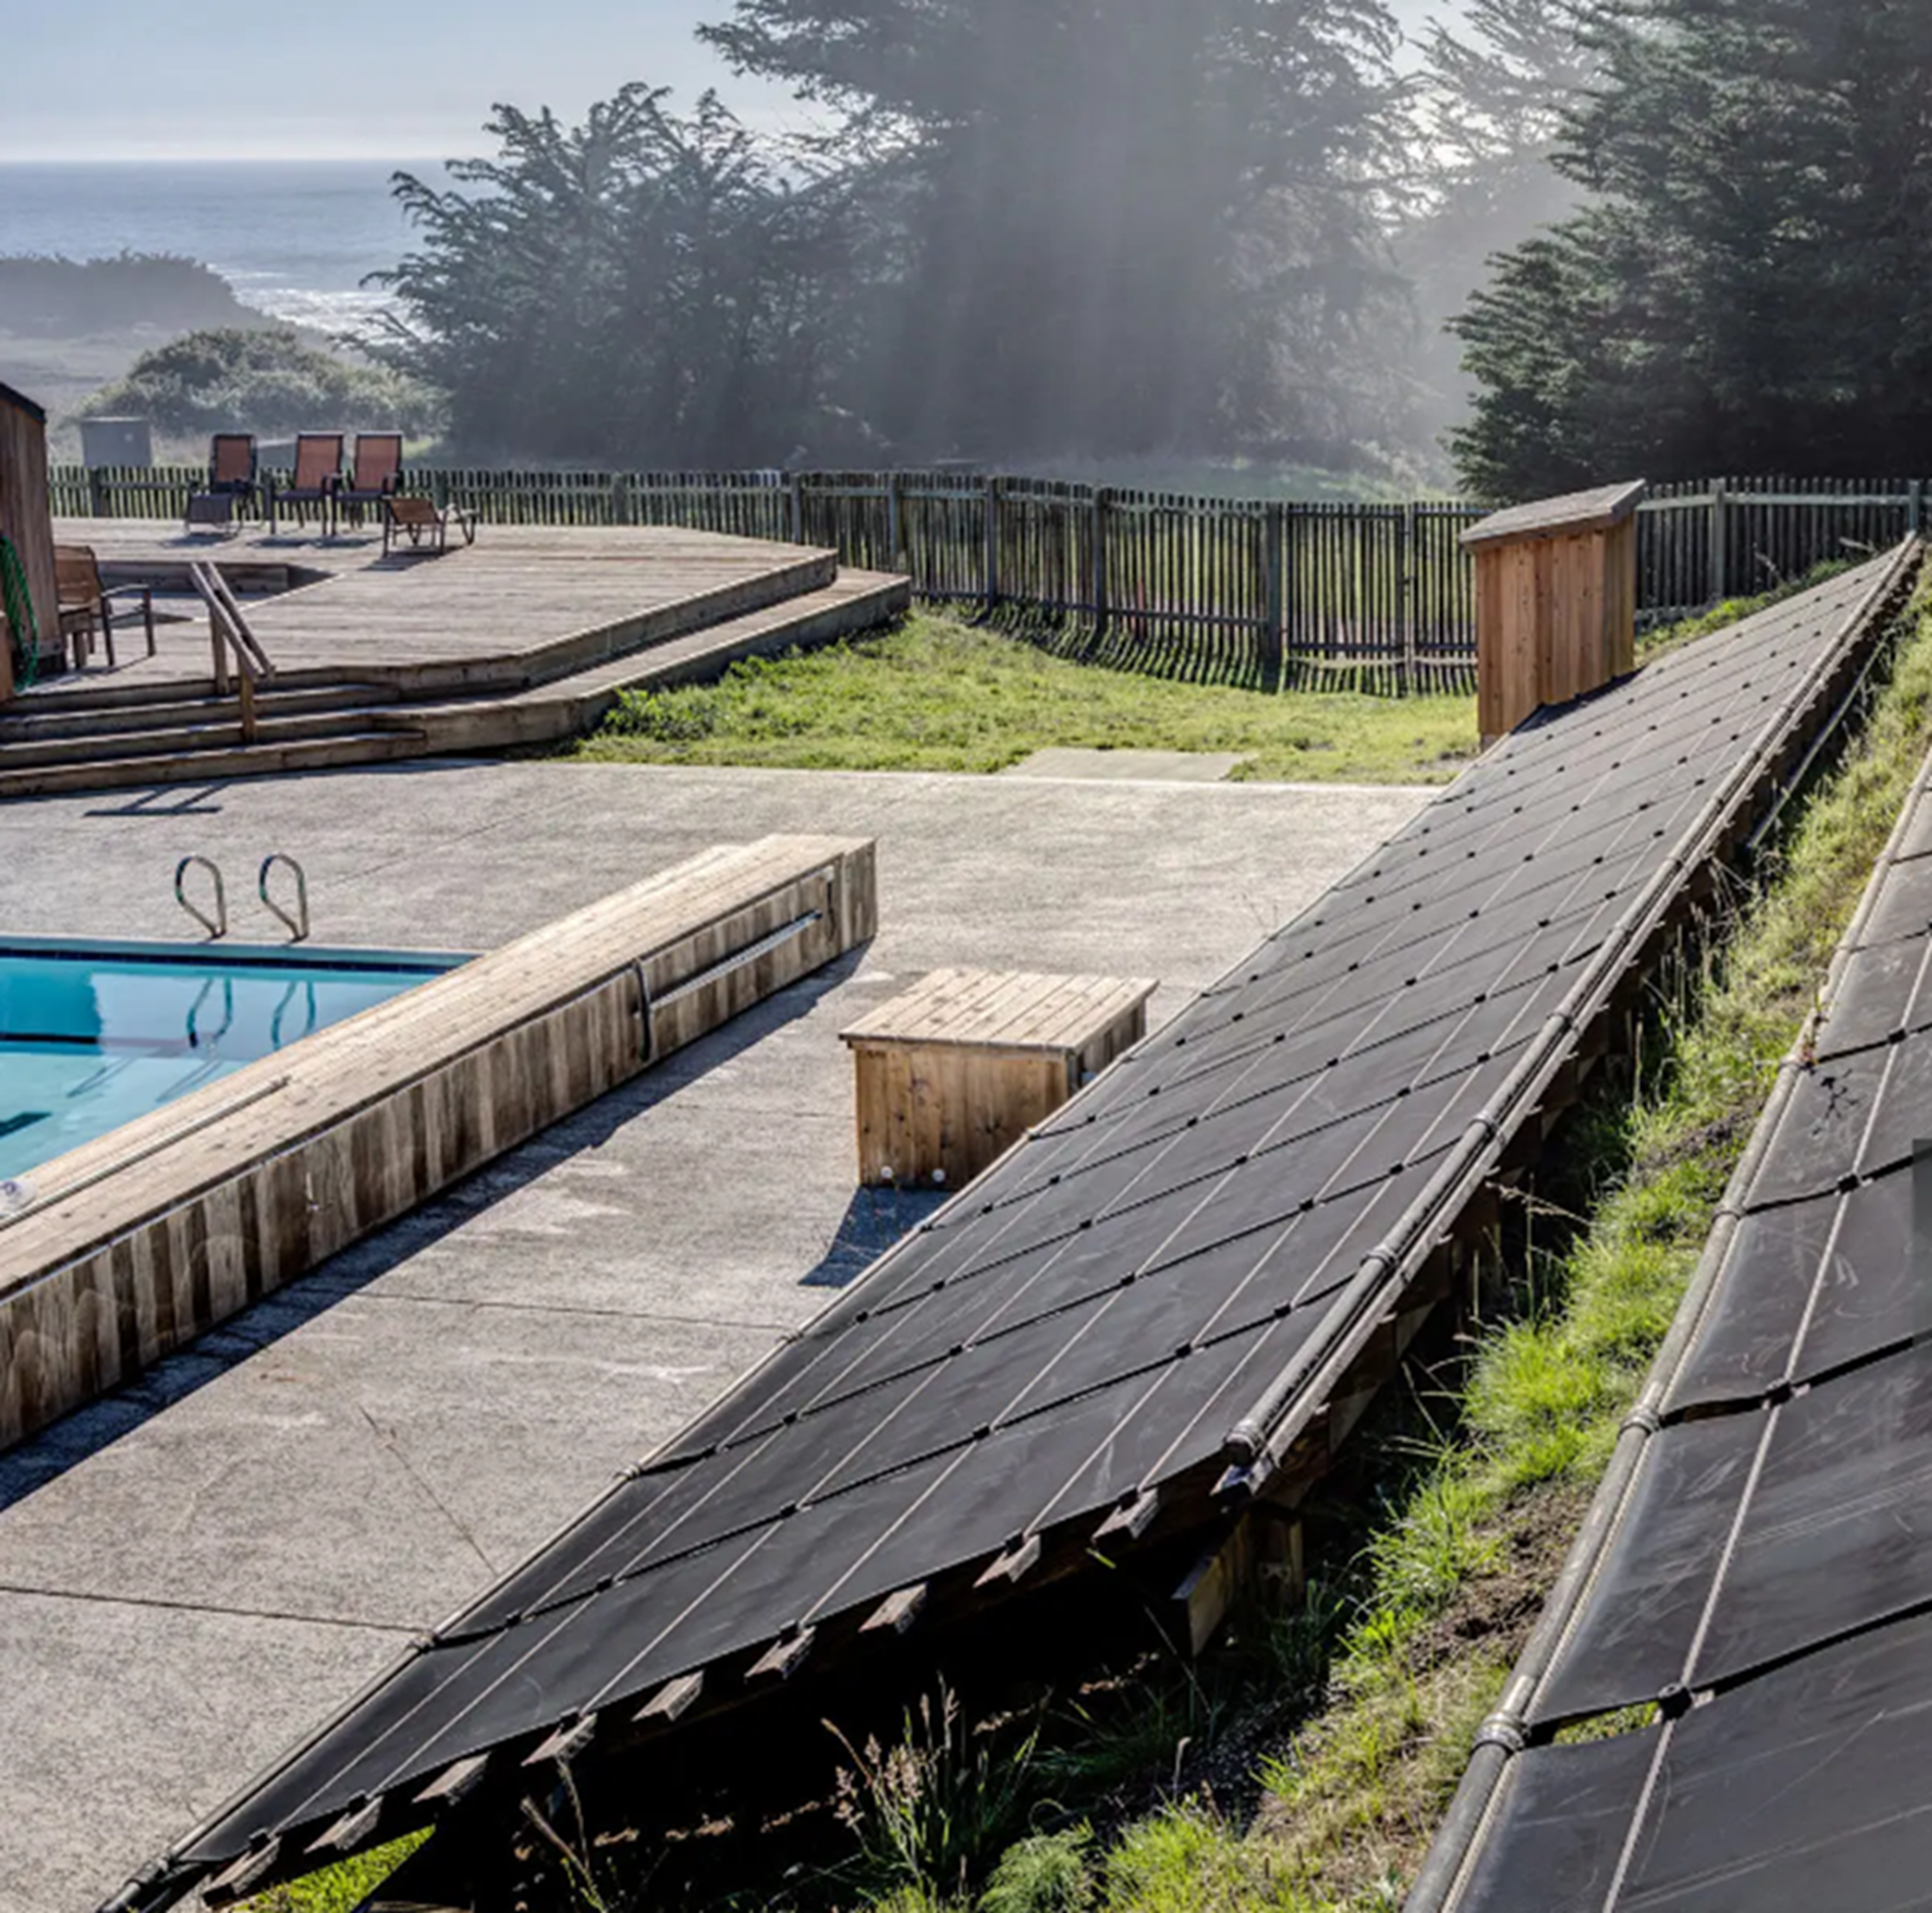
{"x": 375, "y": 474}
{"x": 231, "y": 480}
{"x": 426, "y": 526}
{"x": 86, "y": 606}
{"x": 315, "y": 481}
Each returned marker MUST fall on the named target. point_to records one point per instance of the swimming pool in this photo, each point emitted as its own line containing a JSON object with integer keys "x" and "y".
{"x": 92, "y": 1035}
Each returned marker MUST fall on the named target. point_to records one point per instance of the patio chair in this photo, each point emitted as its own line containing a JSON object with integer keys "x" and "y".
{"x": 424, "y": 525}
{"x": 315, "y": 481}
{"x": 86, "y": 606}
{"x": 231, "y": 480}
{"x": 375, "y": 474}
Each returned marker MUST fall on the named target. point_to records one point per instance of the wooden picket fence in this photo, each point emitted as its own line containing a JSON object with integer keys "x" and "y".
{"x": 1267, "y": 595}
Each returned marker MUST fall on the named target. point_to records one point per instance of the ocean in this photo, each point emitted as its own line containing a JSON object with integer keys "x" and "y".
{"x": 295, "y": 238}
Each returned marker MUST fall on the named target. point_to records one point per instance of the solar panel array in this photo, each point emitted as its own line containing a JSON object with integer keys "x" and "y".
{"x": 1121, "y": 1329}
{"x": 1753, "y": 1601}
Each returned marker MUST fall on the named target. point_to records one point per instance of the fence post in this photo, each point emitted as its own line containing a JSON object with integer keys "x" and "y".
{"x": 1917, "y": 507}
{"x": 1406, "y": 598}
{"x": 1097, "y": 558}
{"x": 895, "y": 520}
{"x": 991, "y": 582}
{"x": 795, "y": 496}
{"x": 1720, "y": 544}
{"x": 97, "y": 492}
{"x": 1274, "y": 525}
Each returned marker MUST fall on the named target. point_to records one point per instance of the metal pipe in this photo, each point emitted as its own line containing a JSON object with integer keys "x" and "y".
{"x": 297, "y": 924}
{"x": 217, "y": 925}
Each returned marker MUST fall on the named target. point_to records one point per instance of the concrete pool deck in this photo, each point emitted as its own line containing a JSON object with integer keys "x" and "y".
{"x": 198, "y": 1569}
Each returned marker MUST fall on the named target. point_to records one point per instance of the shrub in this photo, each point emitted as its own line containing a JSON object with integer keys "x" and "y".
{"x": 266, "y": 382}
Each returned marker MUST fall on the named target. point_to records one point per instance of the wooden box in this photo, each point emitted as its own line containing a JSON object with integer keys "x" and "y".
{"x": 1556, "y": 602}
{"x": 955, "y": 1071}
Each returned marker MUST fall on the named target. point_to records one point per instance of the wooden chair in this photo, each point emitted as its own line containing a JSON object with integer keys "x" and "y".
{"x": 86, "y": 605}
{"x": 317, "y": 478}
{"x": 232, "y": 480}
{"x": 375, "y": 474}
{"x": 427, "y": 528}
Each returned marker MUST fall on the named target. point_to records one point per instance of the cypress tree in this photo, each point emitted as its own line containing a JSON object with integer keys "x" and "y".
{"x": 1119, "y": 225}
{"x": 1745, "y": 291}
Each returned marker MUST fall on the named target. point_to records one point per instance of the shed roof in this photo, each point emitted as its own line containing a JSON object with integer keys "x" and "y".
{"x": 1576, "y": 511}
{"x": 20, "y": 401}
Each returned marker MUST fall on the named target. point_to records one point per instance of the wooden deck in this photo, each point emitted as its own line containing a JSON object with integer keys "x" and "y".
{"x": 520, "y": 605}
{"x": 529, "y": 637}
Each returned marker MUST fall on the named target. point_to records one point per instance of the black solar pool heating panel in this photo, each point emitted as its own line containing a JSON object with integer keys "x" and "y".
{"x": 1762, "y": 1583}
{"x": 1098, "y": 1316}
{"x": 1802, "y": 1791}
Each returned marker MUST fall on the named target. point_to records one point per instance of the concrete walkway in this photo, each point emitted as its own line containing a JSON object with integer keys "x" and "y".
{"x": 196, "y": 1571}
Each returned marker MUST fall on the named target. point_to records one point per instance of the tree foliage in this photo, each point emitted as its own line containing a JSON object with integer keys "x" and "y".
{"x": 265, "y": 381}
{"x": 1117, "y": 224}
{"x": 1493, "y": 94}
{"x": 645, "y": 288}
{"x": 1745, "y": 290}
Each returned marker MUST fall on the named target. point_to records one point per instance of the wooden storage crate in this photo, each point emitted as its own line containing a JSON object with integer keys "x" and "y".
{"x": 953, "y": 1072}
{"x": 1556, "y": 602}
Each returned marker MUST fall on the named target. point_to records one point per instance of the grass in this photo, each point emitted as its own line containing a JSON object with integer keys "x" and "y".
{"x": 340, "y": 1888}
{"x": 937, "y": 694}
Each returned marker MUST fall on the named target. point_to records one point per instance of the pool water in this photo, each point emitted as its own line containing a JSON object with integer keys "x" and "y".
{"x": 94, "y": 1035}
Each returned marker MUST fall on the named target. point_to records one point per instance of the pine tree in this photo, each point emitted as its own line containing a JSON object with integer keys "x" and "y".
{"x": 1746, "y": 293}
{"x": 1110, "y": 225}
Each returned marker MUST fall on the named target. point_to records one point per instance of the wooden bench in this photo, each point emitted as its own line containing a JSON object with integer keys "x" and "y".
{"x": 953, "y": 1072}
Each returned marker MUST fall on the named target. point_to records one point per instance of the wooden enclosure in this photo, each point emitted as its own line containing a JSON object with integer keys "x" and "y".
{"x": 953, "y": 1072}
{"x": 1556, "y": 602}
{"x": 26, "y": 519}
{"x": 132, "y": 1245}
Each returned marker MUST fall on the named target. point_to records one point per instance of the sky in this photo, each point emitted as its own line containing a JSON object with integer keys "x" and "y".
{"x": 350, "y": 79}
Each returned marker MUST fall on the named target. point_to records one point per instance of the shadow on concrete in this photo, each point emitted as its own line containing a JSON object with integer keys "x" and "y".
{"x": 192, "y": 800}
{"x": 90, "y": 1430}
{"x": 875, "y": 1221}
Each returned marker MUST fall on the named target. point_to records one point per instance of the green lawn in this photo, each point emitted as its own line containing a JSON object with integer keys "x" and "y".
{"x": 938, "y": 695}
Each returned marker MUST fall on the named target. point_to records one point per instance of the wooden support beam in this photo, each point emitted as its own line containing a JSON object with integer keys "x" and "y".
{"x": 1014, "y": 1565}
{"x": 1133, "y": 1521}
{"x": 351, "y": 1830}
{"x": 783, "y": 1658}
{"x": 457, "y": 1780}
{"x": 672, "y": 1700}
{"x": 571, "y": 1738}
{"x": 237, "y": 1880}
{"x": 896, "y": 1613}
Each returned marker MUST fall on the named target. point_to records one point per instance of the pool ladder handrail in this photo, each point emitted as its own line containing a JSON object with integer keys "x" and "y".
{"x": 216, "y": 925}
{"x": 297, "y": 924}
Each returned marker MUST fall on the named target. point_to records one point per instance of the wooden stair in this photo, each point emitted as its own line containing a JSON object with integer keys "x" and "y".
{"x": 68, "y": 740}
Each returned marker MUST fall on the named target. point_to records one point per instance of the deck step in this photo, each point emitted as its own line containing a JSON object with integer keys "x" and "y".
{"x": 214, "y": 766}
{"x": 222, "y": 732}
{"x": 43, "y": 752}
{"x": 79, "y": 720}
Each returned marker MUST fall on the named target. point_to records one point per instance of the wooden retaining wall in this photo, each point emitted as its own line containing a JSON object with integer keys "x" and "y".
{"x": 136, "y": 1243}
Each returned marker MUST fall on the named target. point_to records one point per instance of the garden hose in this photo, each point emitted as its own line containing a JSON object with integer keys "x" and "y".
{"x": 16, "y": 601}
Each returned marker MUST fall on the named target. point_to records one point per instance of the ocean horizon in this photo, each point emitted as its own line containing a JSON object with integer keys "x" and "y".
{"x": 295, "y": 238}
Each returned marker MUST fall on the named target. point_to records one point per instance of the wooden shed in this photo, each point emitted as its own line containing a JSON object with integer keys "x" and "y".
{"x": 26, "y": 521}
{"x": 1556, "y": 602}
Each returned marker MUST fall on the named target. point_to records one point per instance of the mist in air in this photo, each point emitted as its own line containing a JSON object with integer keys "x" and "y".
{"x": 1064, "y": 233}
